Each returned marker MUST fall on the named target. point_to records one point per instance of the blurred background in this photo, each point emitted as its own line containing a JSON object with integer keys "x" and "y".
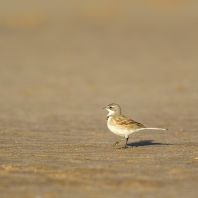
{"x": 67, "y": 58}
{"x": 62, "y": 61}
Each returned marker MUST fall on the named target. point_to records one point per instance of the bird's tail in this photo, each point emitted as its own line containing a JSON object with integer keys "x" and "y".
{"x": 156, "y": 128}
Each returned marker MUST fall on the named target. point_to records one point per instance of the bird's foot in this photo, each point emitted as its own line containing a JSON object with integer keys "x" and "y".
{"x": 125, "y": 147}
{"x": 116, "y": 143}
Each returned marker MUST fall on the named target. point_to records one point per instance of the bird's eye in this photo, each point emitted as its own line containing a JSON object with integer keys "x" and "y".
{"x": 110, "y": 107}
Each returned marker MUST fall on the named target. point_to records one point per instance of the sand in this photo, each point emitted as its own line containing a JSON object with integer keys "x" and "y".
{"x": 61, "y": 62}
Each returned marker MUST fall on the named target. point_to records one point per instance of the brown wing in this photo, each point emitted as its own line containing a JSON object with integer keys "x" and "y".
{"x": 124, "y": 121}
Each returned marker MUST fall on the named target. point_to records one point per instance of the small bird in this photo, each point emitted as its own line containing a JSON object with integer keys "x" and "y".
{"x": 121, "y": 125}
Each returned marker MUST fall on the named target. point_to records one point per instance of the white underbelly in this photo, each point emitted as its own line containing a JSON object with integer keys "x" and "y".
{"x": 120, "y": 132}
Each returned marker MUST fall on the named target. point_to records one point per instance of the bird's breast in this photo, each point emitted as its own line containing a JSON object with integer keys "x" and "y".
{"x": 111, "y": 124}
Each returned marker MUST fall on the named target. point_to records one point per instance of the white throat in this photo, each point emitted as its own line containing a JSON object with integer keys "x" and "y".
{"x": 110, "y": 112}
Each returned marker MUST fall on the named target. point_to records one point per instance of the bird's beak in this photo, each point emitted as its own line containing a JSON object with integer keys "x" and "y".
{"x": 103, "y": 107}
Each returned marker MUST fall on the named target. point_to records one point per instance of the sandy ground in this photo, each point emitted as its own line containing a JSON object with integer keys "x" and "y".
{"x": 61, "y": 62}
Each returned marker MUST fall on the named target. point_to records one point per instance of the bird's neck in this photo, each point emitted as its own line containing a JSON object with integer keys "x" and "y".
{"x": 112, "y": 114}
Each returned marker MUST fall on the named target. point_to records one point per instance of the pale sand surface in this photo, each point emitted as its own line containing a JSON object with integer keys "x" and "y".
{"x": 61, "y": 62}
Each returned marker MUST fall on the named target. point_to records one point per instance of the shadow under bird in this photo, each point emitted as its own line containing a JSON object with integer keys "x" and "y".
{"x": 121, "y": 125}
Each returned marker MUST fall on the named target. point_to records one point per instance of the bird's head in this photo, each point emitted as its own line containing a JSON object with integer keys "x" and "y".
{"x": 113, "y": 109}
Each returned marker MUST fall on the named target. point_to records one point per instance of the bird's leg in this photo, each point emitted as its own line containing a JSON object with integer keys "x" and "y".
{"x": 118, "y": 142}
{"x": 127, "y": 137}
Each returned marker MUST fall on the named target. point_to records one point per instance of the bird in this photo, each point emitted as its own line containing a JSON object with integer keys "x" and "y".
{"x": 121, "y": 125}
